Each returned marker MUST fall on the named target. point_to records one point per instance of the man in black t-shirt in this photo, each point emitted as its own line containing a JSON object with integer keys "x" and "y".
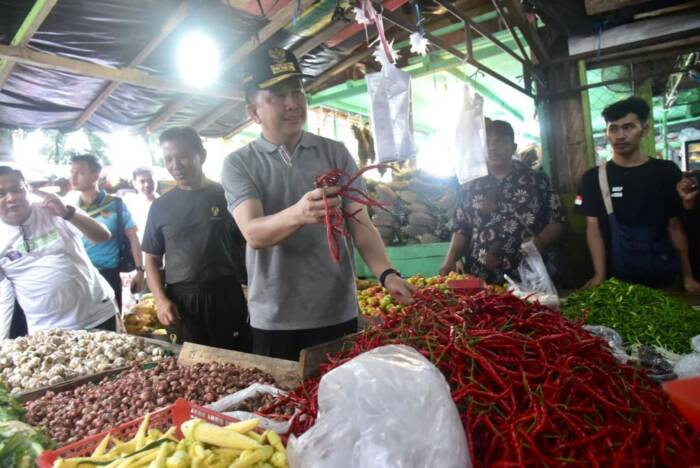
{"x": 198, "y": 296}
{"x": 643, "y": 195}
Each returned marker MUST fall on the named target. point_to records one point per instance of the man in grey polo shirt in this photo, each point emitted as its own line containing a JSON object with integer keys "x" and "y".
{"x": 298, "y": 296}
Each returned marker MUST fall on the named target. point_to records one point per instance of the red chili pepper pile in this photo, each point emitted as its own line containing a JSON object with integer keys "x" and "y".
{"x": 335, "y": 217}
{"x": 532, "y": 388}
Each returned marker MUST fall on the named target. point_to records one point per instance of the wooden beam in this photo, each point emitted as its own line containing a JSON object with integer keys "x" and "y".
{"x": 318, "y": 39}
{"x": 221, "y": 110}
{"x": 29, "y": 26}
{"x": 123, "y": 75}
{"x": 168, "y": 26}
{"x": 279, "y": 21}
{"x": 239, "y": 128}
{"x": 533, "y": 39}
{"x": 595, "y": 7}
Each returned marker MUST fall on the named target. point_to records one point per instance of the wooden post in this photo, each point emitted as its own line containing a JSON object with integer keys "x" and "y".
{"x": 562, "y": 125}
{"x": 586, "y": 114}
{"x": 644, "y": 91}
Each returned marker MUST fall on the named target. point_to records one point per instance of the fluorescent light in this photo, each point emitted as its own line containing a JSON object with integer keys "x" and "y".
{"x": 198, "y": 59}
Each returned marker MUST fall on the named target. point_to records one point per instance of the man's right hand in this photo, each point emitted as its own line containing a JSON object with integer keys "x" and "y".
{"x": 311, "y": 209}
{"x": 687, "y": 190}
{"x": 167, "y": 312}
{"x": 595, "y": 281}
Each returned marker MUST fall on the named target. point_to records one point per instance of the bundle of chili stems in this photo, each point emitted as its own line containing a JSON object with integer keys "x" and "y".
{"x": 532, "y": 388}
{"x": 335, "y": 216}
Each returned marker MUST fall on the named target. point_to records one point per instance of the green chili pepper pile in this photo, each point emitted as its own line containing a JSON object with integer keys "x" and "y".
{"x": 532, "y": 388}
{"x": 638, "y": 313}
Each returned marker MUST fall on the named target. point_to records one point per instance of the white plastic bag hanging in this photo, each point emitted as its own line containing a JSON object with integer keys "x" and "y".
{"x": 253, "y": 390}
{"x": 390, "y": 408}
{"x": 470, "y": 138}
{"x": 391, "y": 114}
{"x": 535, "y": 283}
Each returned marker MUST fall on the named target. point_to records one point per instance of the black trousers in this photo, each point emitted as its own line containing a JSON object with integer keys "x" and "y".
{"x": 114, "y": 280}
{"x": 212, "y": 314}
{"x": 287, "y": 344}
{"x": 108, "y": 325}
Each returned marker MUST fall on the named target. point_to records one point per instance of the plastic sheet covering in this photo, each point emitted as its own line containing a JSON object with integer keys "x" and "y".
{"x": 112, "y": 33}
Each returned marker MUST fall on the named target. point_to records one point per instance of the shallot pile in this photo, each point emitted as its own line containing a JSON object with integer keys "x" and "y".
{"x": 92, "y": 408}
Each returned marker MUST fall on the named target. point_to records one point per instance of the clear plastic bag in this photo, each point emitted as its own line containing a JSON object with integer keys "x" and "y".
{"x": 390, "y": 408}
{"x": 613, "y": 338}
{"x": 251, "y": 391}
{"x": 391, "y": 114}
{"x": 535, "y": 283}
{"x": 470, "y": 138}
{"x": 689, "y": 365}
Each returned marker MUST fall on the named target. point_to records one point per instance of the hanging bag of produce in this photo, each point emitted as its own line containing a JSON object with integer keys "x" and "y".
{"x": 535, "y": 283}
{"x": 391, "y": 113}
{"x": 639, "y": 254}
{"x": 470, "y": 138}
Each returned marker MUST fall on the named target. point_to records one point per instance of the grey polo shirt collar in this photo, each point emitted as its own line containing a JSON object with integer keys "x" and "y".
{"x": 307, "y": 141}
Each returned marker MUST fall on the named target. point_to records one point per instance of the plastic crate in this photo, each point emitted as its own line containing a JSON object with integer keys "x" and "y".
{"x": 174, "y": 415}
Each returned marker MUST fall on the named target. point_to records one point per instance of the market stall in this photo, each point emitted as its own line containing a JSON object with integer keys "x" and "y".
{"x": 467, "y": 373}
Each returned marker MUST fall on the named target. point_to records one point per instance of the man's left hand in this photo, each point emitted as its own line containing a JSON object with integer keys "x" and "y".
{"x": 138, "y": 282}
{"x": 51, "y": 203}
{"x": 691, "y": 285}
{"x": 399, "y": 288}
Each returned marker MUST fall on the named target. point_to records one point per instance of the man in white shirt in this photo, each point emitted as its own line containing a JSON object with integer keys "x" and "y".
{"x": 43, "y": 264}
{"x": 140, "y": 203}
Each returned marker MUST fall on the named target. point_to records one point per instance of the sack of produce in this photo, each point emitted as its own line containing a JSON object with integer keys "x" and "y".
{"x": 382, "y": 218}
{"x": 385, "y": 194}
{"x": 428, "y": 239}
{"x": 419, "y": 207}
{"x": 368, "y": 416}
{"x": 408, "y": 196}
{"x": 423, "y": 219}
{"x": 415, "y": 230}
{"x": 387, "y": 233}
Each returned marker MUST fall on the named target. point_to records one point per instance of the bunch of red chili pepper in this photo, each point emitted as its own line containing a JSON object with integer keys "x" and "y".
{"x": 532, "y": 387}
{"x": 335, "y": 217}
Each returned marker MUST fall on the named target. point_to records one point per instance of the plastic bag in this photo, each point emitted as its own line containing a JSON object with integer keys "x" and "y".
{"x": 390, "y": 408}
{"x": 535, "y": 283}
{"x": 281, "y": 427}
{"x": 470, "y": 139}
{"x": 391, "y": 114}
{"x": 613, "y": 338}
{"x": 689, "y": 365}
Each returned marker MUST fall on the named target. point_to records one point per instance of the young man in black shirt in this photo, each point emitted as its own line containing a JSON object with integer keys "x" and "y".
{"x": 199, "y": 295}
{"x": 642, "y": 240}
{"x": 689, "y": 191}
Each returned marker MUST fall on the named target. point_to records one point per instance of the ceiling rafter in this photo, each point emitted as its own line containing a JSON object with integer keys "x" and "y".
{"x": 131, "y": 76}
{"x": 168, "y": 26}
{"x": 29, "y": 26}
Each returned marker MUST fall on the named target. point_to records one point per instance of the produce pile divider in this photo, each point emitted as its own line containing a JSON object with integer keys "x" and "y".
{"x": 311, "y": 359}
{"x": 285, "y": 373}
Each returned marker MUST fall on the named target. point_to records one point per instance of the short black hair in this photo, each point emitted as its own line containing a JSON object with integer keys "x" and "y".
{"x": 631, "y": 105}
{"x": 142, "y": 171}
{"x": 89, "y": 160}
{"x": 7, "y": 170}
{"x": 183, "y": 134}
{"x": 500, "y": 127}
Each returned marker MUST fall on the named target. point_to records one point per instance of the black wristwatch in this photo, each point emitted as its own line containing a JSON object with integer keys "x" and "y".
{"x": 70, "y": 212}
{"x": 141, "y": 269}
{"x": 387, "y": 272}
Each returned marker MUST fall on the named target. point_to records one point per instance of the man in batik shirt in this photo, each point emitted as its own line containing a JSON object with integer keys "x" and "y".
{"x": 497, "y": 213}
